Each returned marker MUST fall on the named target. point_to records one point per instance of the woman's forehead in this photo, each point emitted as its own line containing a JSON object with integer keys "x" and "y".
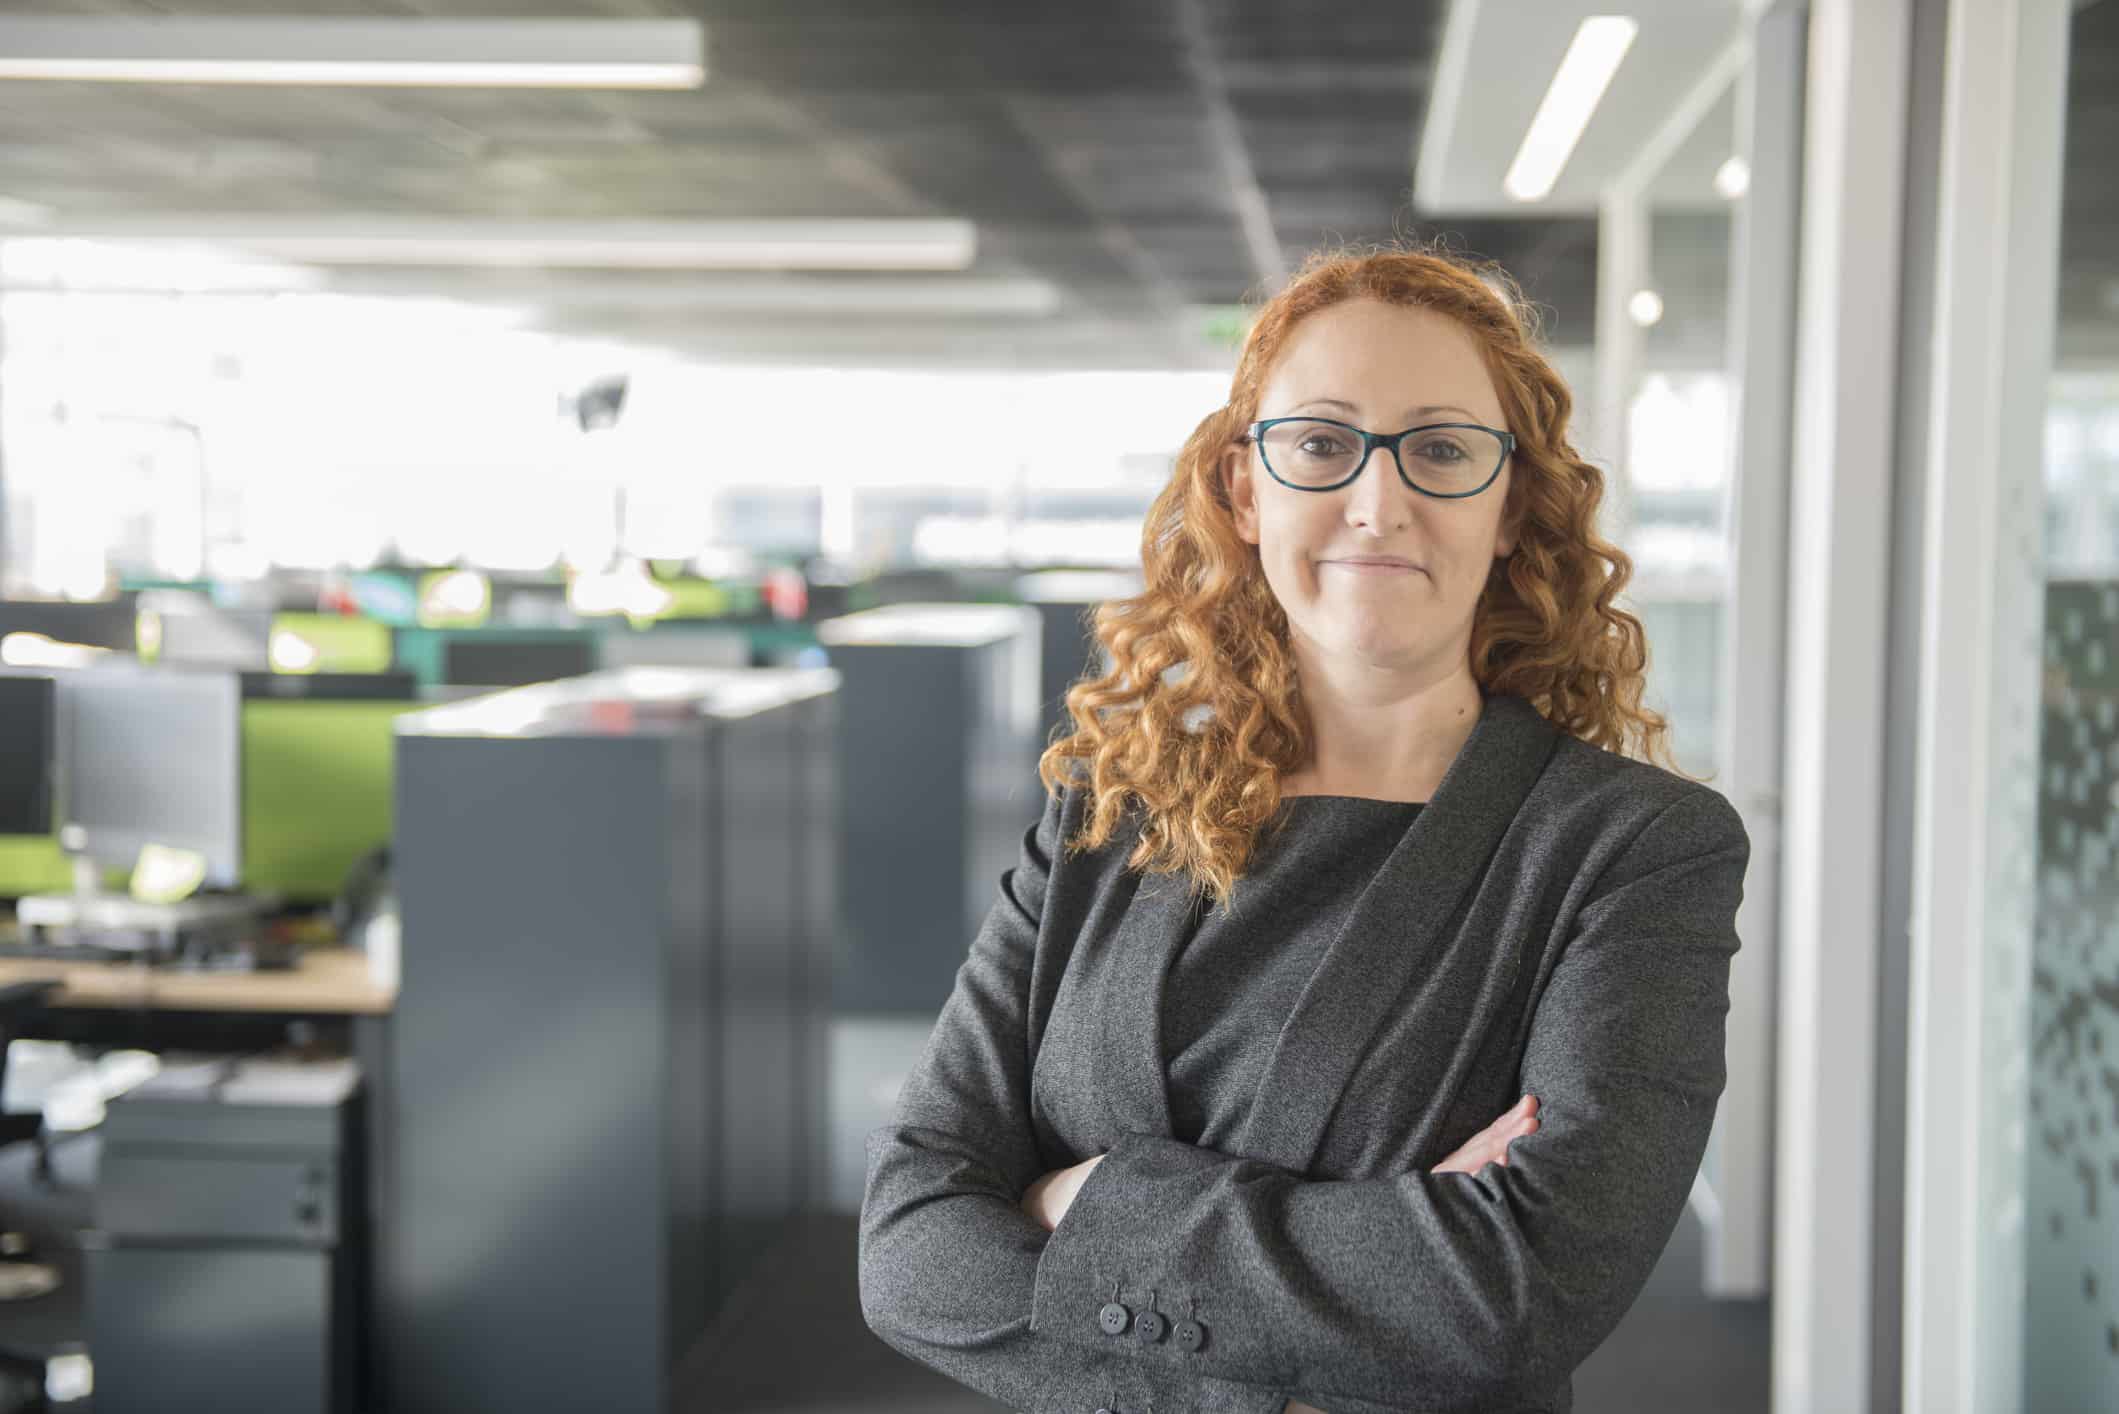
{"x": 1385, "y": 360}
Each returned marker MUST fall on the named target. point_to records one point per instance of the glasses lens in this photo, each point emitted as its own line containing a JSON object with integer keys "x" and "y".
{"x": 1450, "y": 461}
{"x": 1310, "y": 453}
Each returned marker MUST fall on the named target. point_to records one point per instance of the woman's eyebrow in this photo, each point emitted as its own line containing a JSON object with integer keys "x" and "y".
{"x": 1422, "y": 411}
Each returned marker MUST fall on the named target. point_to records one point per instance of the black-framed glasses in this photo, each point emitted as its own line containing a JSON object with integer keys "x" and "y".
{"x": 1450, "y": 460}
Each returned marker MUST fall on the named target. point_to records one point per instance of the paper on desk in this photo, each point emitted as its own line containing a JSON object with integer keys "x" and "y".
{"x": 264, "y": 1082}
{"x": 182, "y": 1079}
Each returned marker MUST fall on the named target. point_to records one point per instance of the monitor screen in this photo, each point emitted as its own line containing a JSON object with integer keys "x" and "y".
{"x": 26, "y": 726}
{"x": 220, "y": 638}
{"x": 330, "y": 687}
{"x": 516, "y": 662}
{"x": 677, "y": 648}
{"x": 152, "y": 756}
{"x": 102, "y": 623}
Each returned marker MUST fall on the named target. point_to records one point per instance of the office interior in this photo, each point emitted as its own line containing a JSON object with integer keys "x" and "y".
{"x": 539, "y": 553}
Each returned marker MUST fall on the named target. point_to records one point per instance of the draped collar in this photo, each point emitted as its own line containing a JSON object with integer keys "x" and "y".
{"x": 1387, "y": 936}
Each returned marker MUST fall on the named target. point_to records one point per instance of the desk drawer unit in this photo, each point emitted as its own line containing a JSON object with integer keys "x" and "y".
{"x": 224, "y": 1269}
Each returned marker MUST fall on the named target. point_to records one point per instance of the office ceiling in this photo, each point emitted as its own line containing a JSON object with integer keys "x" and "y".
{"x": 1132, "y": 169}
{"x": 1131, "y": 166}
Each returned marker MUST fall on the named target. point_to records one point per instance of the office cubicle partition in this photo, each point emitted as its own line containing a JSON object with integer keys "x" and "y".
{"x": 1066, "y": 603}
{"x": 937, "y": 775}
{"x": 606, "y": 1064}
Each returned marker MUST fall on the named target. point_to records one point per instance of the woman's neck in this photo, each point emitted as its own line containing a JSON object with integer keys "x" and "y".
{"x": 1391, "y": 749}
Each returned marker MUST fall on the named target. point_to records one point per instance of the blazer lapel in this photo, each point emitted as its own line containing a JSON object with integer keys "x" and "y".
{"x": 1130, "y": 1071}
{"x": 1393, "y": 929}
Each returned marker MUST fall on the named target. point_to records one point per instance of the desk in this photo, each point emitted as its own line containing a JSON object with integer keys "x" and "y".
{"x": 327, "y": 981}
{"x": 163, "y": 1008}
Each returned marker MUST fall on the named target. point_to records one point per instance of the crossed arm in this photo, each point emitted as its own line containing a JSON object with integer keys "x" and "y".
{"x": 1047, "y": 1199}
{"x": 1440, "y": 1290}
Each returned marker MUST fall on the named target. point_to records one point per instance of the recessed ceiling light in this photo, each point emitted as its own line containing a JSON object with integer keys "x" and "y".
{"x": 1585, "y": 71}
{"x": 506, "y": 53}
{"x": 1733, "y": 178}
{"x": 1645, "y": 307}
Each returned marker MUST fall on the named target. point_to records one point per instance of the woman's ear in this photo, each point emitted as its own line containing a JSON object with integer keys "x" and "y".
{"x": 1243, "y": 498}
{"x": 1511, "y": 526}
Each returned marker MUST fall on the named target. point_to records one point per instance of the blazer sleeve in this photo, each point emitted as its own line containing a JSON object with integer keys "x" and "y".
{"x": 1460, "y": 1291}
{"x": 948, "y": 1258}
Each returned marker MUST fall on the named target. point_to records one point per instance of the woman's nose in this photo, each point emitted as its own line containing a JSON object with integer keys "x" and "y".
{"x": 1377, "y": 497}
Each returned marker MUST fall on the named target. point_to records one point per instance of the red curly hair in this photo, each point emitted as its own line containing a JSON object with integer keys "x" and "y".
{"x": 1546, "y": 627}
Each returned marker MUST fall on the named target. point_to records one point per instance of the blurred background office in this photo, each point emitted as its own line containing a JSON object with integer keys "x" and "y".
{"x": 540, "y": 543}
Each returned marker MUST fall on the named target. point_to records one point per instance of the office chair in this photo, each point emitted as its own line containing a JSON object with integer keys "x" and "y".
{"x": 20, "y": 1280}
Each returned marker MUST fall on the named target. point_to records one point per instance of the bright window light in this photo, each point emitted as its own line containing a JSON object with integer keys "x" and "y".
{"x": 1577, "y": 87}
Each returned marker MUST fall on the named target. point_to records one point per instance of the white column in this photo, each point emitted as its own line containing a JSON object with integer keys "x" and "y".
{"x": 1997, "y": 233}
{"x": 1840, "y": 534}
{"x": 1739, "y": 1244}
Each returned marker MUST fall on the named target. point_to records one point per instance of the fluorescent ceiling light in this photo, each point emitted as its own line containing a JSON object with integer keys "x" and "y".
{"x": 909, "y": 296}
{"x": 1577, "y": 86}
{"x": 504, "y": 53}
{"x": 611, "y": 245}
{"x": 41, "y": 263}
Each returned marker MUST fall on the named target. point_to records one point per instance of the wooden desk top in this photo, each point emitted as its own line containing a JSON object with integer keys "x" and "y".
{"x": 328, "y": 979}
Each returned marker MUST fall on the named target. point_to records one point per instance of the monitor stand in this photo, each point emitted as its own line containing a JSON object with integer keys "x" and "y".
{"x": 209, "y": 930}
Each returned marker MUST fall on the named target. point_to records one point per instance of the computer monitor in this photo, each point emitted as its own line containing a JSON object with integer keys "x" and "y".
{"x": 100, "y": 623}
{"x": 28, "y": 726}
{"x": 330, "y": 687}
{"x": 516, "y": 662}
{"x": 210, "y": 636}
{"x": 151, "y": 756}
{"x": 677, "y": 648}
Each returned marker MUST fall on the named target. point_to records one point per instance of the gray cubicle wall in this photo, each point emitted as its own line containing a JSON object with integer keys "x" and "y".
{"x": 937, "y": 779}
{"x": 816, "y": 910}
{"x": 1065, "y": 601}
{"x": 598, "y": 1062}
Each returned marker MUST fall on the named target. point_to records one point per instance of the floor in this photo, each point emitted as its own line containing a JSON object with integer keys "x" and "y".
{"x": 1674, "y": 1353}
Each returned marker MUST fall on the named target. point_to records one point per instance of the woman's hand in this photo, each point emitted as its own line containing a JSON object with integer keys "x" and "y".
{"x": 1049, "y": 1197}
{"x": 1296, "y": 1406}
{"x": 1490, "y": 1145}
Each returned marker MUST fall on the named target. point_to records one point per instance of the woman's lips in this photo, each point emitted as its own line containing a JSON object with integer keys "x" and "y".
{"x": 1371, "y": 567}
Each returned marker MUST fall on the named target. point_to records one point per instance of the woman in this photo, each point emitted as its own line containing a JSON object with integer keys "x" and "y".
{"x": 1345, "y": 858}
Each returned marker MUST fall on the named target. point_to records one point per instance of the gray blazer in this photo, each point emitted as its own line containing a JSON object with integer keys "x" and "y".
{"x": 1558, "y": 921}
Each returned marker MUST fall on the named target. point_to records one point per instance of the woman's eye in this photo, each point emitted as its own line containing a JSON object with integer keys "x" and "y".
{"x": 1442, "y": 451}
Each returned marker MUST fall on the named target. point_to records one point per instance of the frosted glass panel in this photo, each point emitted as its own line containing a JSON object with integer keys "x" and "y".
{"x": 2069, "y": 1307}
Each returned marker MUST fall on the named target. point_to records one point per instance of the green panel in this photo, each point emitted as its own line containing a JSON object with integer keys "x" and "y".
{"x": 343, "y": 644}
{"x": 33, "y": 864}
{"x": 316, "y": 791}
{"x": 433, "y": 613}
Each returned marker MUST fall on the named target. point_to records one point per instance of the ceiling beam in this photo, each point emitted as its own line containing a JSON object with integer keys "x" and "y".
{"x": 1252, "y": 212}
